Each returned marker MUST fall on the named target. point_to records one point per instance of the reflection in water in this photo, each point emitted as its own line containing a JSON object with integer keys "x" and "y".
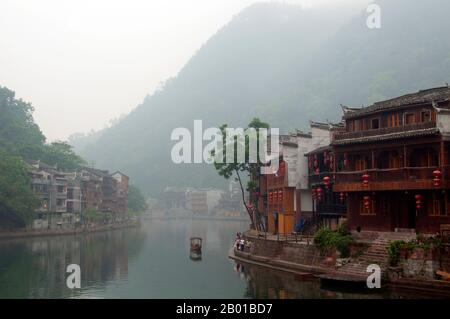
{"x": 152, "y": 262}
{"x": 36, "y": 267}
{"x": 265, "y": 283}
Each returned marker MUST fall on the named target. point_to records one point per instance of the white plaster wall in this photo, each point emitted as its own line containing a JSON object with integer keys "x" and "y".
{"x": 306, "y": 201}
{"x": 320, "y": 137}
{"x": 304, "y": 146}
{"x": 290, "y": 157}
{"x": 443, "y": 122}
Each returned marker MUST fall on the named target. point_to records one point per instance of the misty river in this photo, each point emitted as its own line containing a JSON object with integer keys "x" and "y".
{"x": 151, "y": 261}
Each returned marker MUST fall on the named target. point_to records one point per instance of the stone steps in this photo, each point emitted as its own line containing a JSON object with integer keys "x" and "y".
{"x": 376, "y": 254}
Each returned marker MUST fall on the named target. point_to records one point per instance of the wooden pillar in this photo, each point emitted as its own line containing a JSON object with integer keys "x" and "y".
{"x": 442, "y": 155}
{"x": 373, "y": 159}
{"x": 405, "y": 161}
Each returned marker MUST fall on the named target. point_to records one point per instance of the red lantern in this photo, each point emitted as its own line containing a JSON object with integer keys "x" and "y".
{"x": 342, "y": 197}
{"x": 418, "y": 198}
{"x": 366, "y": 202}
{"x": 326, "y": 181}
{"x": 365, "y": 180}
{"x": 280, "y": 195}
{"x": 319, "y": 193}
{"x": 437, "y": 178}
{"x": 270, "y": 198}
{"x": 331, "y": 161}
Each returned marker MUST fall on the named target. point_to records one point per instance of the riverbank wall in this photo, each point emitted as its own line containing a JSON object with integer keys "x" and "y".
{"x": 25, "y": 233}
{"x": 417, "y": 271}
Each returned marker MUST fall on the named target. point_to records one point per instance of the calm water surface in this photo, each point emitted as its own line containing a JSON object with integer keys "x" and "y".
{"x": 151, "y": 262}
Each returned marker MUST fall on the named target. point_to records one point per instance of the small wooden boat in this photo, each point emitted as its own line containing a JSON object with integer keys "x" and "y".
{"x": 196, "y": 248}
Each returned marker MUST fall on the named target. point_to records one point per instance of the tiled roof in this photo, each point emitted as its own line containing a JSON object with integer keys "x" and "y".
{"x": 423, "y": 96}
{"x": 319, "y": 150}
{"x": 384, "y": 137}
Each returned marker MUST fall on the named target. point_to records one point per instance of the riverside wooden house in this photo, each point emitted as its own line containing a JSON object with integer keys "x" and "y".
{"x": 328, "y": 207}
{"x": 391, "y": 163}
{"x": 284, "y": 198}
{"x": 276, "y": 194}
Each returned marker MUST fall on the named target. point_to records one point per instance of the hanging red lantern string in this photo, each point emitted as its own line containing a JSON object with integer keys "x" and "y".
{"x": 331, "y": 157}
{"x": 365, "y": 180}
{"x": 326, "y": 182}
{"x": 319, "y": 193}
{"x": 418, "y": 198}
{"x": 366, "y": 202}
{"x": 280, "y": 195}
{"x": 437, "y": 178}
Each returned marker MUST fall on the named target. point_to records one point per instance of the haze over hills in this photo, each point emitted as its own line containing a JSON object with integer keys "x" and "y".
{"x": 285, "y": 65}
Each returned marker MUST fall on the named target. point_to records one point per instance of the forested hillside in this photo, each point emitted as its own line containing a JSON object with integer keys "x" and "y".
{"x": 286, "y": 66}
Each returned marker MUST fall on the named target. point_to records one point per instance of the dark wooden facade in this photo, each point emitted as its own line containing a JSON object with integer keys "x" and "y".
{"x": 276, "y": 201}
{"x": 392, "y": 163}
{"x": 328, "y": 206}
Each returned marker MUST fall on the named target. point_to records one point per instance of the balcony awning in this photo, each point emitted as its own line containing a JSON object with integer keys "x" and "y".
{"x": 385, "y": 137}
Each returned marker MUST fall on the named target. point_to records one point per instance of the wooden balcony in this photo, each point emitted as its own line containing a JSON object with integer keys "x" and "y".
{"x": 331, "y": 210}
{"x": 391, "y": 179}
{"x": 384, "y": 130}
{"x": 315, "y": 179}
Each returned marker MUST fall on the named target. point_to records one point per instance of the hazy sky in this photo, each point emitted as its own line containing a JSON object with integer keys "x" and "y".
{"x": 84, "y": 62}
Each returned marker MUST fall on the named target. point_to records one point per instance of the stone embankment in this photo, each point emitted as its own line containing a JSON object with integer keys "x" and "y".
{"x": 67, "y": 231}
{"x": 301, "y": 256}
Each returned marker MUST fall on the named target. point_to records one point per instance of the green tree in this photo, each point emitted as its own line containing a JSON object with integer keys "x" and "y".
{"x": 19, "y": 135}
{"x": 62, "y": 154}
{"x": 136, "y": 200}
{"x": 17, "y": 201}
{"x": 233, "y": 167}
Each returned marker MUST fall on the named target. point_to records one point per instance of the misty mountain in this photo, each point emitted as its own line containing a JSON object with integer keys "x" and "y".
{"x": 284, "y": 65}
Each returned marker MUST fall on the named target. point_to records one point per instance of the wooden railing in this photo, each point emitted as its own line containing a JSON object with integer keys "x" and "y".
{"x": 384, "y": 130}
{"x": 331, "y": 210}
{"x": 405, "y": 174}
{"x": 318, "y": 178}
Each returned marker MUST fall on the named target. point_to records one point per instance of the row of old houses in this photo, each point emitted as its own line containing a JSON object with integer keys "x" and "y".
{"x": 67, "y": 197}
{"x": 187, "y": 201}
{"x": 384, "y": 167}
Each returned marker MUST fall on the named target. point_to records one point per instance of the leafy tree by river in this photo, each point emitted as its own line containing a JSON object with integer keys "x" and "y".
{"x": 227, "y": 167}
{"x": 17, "y": 201}
{"x": 21, "y": 139}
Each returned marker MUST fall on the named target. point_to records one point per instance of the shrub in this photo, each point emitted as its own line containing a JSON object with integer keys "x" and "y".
{"x": 420, "y": 242}
{"x": 340, "y": 239}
